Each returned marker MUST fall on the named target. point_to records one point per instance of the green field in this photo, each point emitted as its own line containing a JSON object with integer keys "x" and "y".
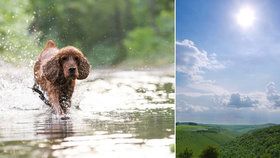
{"x": 197, "y": 137}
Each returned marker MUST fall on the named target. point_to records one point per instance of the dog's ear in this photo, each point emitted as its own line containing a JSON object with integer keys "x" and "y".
{"x": 83, "y": 68}
{"x": 52, "y": 69}
{"x": 50, "y": 44}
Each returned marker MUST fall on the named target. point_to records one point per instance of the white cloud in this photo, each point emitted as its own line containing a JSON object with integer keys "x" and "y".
{"x": 252, "y": 108}
{"x": 273, "y": 96}
{"x": 253, "y": 100}
{"x": 231, "y": 116}
{"x": 193, "y": 63}
{"x": 190, "y": 104}
{"x": 188, "y": 108}
{"x": 201, "y": 99}
{"x": 236, "y": 100}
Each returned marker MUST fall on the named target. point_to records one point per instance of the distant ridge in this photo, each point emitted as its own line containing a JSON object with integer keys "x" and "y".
{"x": 186, "y": 123}
{"x": 196, "y": 123}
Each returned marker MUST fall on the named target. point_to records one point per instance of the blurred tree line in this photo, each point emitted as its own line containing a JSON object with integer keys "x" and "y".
{"x": 16, "y": 44}
{"x": 108, "y": 31}
{"x": 138, "y": 32}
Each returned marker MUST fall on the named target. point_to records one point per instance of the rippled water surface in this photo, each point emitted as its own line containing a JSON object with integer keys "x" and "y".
{"x": 114, "y": 113}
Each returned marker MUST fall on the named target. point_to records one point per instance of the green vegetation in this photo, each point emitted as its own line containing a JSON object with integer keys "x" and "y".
{"x": 262, "y": 143}
{"x": 187, "y": 153}
{"x": 199, "y": 139}
{"x": 128, "y": 32}
{"x": 109, "y": 31}
{"x": 209, "y": 152}
{"x": 16, "y": 44}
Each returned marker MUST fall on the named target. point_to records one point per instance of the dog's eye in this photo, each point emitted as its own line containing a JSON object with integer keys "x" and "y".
{"x": 76, "y": 58}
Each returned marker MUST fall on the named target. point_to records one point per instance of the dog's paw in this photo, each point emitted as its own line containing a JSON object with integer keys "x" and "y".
{"x": 64, "y": 117}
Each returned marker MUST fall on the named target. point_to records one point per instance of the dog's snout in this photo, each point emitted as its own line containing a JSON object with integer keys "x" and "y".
{"x": 72, "y": 70}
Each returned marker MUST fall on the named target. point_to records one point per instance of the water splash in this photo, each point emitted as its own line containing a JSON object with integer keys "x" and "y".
{"x": 113, "y": 112}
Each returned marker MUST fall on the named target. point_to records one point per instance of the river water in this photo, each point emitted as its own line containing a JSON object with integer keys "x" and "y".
{"x": 114, "y": 113}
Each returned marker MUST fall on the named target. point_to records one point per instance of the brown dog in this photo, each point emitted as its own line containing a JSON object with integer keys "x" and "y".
{"x": 56, "y": 71}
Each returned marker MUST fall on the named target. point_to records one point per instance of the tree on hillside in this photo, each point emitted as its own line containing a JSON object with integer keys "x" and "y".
{"x": 188, "y": 153}
{"x": 209, "y": 152}
{"x": 263, "y": 143}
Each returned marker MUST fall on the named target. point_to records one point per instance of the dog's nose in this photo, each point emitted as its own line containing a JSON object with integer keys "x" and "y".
{"x": 72, "y": 70}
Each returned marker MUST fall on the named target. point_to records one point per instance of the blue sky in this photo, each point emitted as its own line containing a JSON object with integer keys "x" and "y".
{"x": 227, "y": 72}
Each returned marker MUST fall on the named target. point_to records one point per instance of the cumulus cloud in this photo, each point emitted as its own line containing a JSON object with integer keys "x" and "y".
{"x": 191, "y": 65}
{"x": 240, "y": 102}
{"x": 193, "y": 62}
{"x": 273, "y": 96}
{"x": 231, "y": 116}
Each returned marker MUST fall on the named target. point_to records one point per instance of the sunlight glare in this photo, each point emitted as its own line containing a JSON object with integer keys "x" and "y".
{"x": 245, "y": 17}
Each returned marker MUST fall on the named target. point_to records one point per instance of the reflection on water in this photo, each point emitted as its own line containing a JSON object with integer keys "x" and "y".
{"x": 114, "y": 113}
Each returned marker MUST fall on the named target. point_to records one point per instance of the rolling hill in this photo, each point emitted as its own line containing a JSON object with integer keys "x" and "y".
{"x": 197, "y": 137}
{"x": 262, "y": 143}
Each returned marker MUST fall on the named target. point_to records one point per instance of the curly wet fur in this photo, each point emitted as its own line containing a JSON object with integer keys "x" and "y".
{"x": 52, "y": 74}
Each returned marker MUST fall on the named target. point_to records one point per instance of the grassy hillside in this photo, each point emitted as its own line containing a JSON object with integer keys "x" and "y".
{"x": 197, "y": 137}
{"x": 262, "y": 143}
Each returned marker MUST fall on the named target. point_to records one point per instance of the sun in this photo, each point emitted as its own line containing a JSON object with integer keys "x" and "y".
{"x": 245, "y": 17}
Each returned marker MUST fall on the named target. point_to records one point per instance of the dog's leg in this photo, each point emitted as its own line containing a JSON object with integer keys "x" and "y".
{"x": 35, "y": 88}
{"x": 55, "y": 105}
{"x": 54, "y": 99}
{"x": 65, "y": 104}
